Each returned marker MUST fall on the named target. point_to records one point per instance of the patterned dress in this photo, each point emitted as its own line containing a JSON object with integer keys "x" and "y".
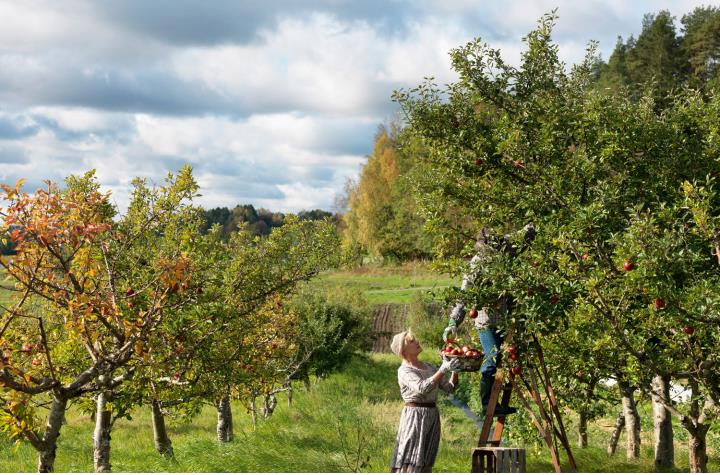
{"x": 419, "y": 434}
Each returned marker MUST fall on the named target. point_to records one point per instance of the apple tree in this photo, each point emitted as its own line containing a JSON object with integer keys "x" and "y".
{"x": 86, "y": 294}
{"x": 537, "y": 143}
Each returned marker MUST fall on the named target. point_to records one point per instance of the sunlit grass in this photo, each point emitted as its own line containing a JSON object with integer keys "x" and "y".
{"x": 387, "y": 284}
{"x": 346, "y": 421}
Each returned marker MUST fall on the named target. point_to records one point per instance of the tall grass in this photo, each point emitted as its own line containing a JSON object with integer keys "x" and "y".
{"x": 346, "y": 422}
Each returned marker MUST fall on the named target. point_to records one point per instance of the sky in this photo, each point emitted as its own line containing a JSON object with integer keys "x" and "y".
{"x": 274, "y": 103}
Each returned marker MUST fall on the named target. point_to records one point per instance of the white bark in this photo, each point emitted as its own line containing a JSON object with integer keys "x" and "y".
{"x": 662, "y": 419}
{"x": 632, "y": 420}
{"x": 101, "y": 436}
{"x": 224, "y": 420}
{"x": 163, "y": 444}
{"x": 270, "y": 401}
{"x": 55, "y": 420}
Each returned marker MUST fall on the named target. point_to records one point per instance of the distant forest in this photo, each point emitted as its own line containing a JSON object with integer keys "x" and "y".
{"x": 259, "y": 222}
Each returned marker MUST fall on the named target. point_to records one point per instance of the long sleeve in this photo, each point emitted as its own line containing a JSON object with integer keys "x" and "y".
{"x": 412, "y": 383}
{"x": 458, "y": 311}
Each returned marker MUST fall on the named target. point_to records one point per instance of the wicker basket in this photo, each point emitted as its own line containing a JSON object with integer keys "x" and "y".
{"x": 467, "y": 363}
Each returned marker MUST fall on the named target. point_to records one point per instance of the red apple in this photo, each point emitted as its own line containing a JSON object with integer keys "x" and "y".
{"x": 473, "y": 313}
{"x": 512, "y": 349}
{"x": 129, "y": 292}
{"x": 478, "y": 162}
{"x": 516, "y": 370}
{"x": 688, "y": 330}
{"x": 457, "y": 352}
{"x": 518, "y": 164}
{"x": 659, "y": 304}
{"x": 554, "y": 299}
{"x": 514, "y": 356}
{"x": 628, "y": 266}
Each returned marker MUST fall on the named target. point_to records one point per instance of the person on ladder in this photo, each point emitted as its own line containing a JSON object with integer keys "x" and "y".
{"x": 488, "y": 318}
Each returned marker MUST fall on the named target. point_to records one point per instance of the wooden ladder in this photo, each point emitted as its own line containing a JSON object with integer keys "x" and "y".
{"x": 490, "y": 413}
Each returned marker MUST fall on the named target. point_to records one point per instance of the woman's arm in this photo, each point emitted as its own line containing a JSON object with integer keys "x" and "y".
{"x": 450, "y": 385}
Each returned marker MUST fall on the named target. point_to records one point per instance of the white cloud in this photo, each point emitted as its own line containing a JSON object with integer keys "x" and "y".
{"x": 278, "y": 116}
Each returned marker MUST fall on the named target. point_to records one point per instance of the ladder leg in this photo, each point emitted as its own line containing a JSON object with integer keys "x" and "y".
{"x": 500, "y": 424}
{"x": 490, "y": 412}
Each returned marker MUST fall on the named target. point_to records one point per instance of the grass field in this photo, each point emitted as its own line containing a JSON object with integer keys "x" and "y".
{"x": 345, "y": 423}
{"x": 391, "y": 284}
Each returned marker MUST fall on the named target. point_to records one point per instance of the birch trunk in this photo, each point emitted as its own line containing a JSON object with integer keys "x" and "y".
{"x": 101, "y": 436}
{"x": 632, "y": 420}
{"x": 615, "y": 437}
{"x": 224, "y": 420}
{"x": 163, "y": 444}
{"x": 56, "y": 417}
{"x": 664, "y": 449}
{"x": 582, "y": 430}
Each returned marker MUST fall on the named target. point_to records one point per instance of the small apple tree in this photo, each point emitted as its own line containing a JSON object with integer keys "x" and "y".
{"x": 87, "y": 293}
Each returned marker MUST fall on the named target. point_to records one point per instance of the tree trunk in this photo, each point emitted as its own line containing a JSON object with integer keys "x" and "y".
{"x": 101, "y": 436}
{"x": 697, "y": 430}
{"x": 163, "y": 444}
{"x": 615, "y": 437}
{"x": 269, "y": 405}
{"x": 253, "y": 409}
{"x": 224, "y": 420}
{"x": 664, "y": 449}
{"x": 632, "y": 420}
{"x": 56, "y": 417}
{"x": 697, "y": 449}
{"x": 290, "y": 395}
{"x": 582, "y": 430}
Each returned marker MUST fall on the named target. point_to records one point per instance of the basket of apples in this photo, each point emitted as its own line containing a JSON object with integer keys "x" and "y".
{"x": 470, "y": 358}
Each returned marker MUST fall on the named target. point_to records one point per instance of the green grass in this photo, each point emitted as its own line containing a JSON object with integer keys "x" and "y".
{"x": 348, "y": 417}
{"x": 386, "y": 284}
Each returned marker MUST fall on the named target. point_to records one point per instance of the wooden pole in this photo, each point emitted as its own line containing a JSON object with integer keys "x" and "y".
{"x": 554, "y": 405}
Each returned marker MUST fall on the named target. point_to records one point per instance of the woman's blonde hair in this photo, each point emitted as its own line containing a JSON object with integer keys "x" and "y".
{"x": 400, "y": 340}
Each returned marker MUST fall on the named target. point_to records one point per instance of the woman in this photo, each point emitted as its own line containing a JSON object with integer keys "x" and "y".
{"x": 419, "y": 433}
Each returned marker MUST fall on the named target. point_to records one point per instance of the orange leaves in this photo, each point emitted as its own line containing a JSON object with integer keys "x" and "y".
{"x": 175, "y": 274}
{"x": 10, "y": 192}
